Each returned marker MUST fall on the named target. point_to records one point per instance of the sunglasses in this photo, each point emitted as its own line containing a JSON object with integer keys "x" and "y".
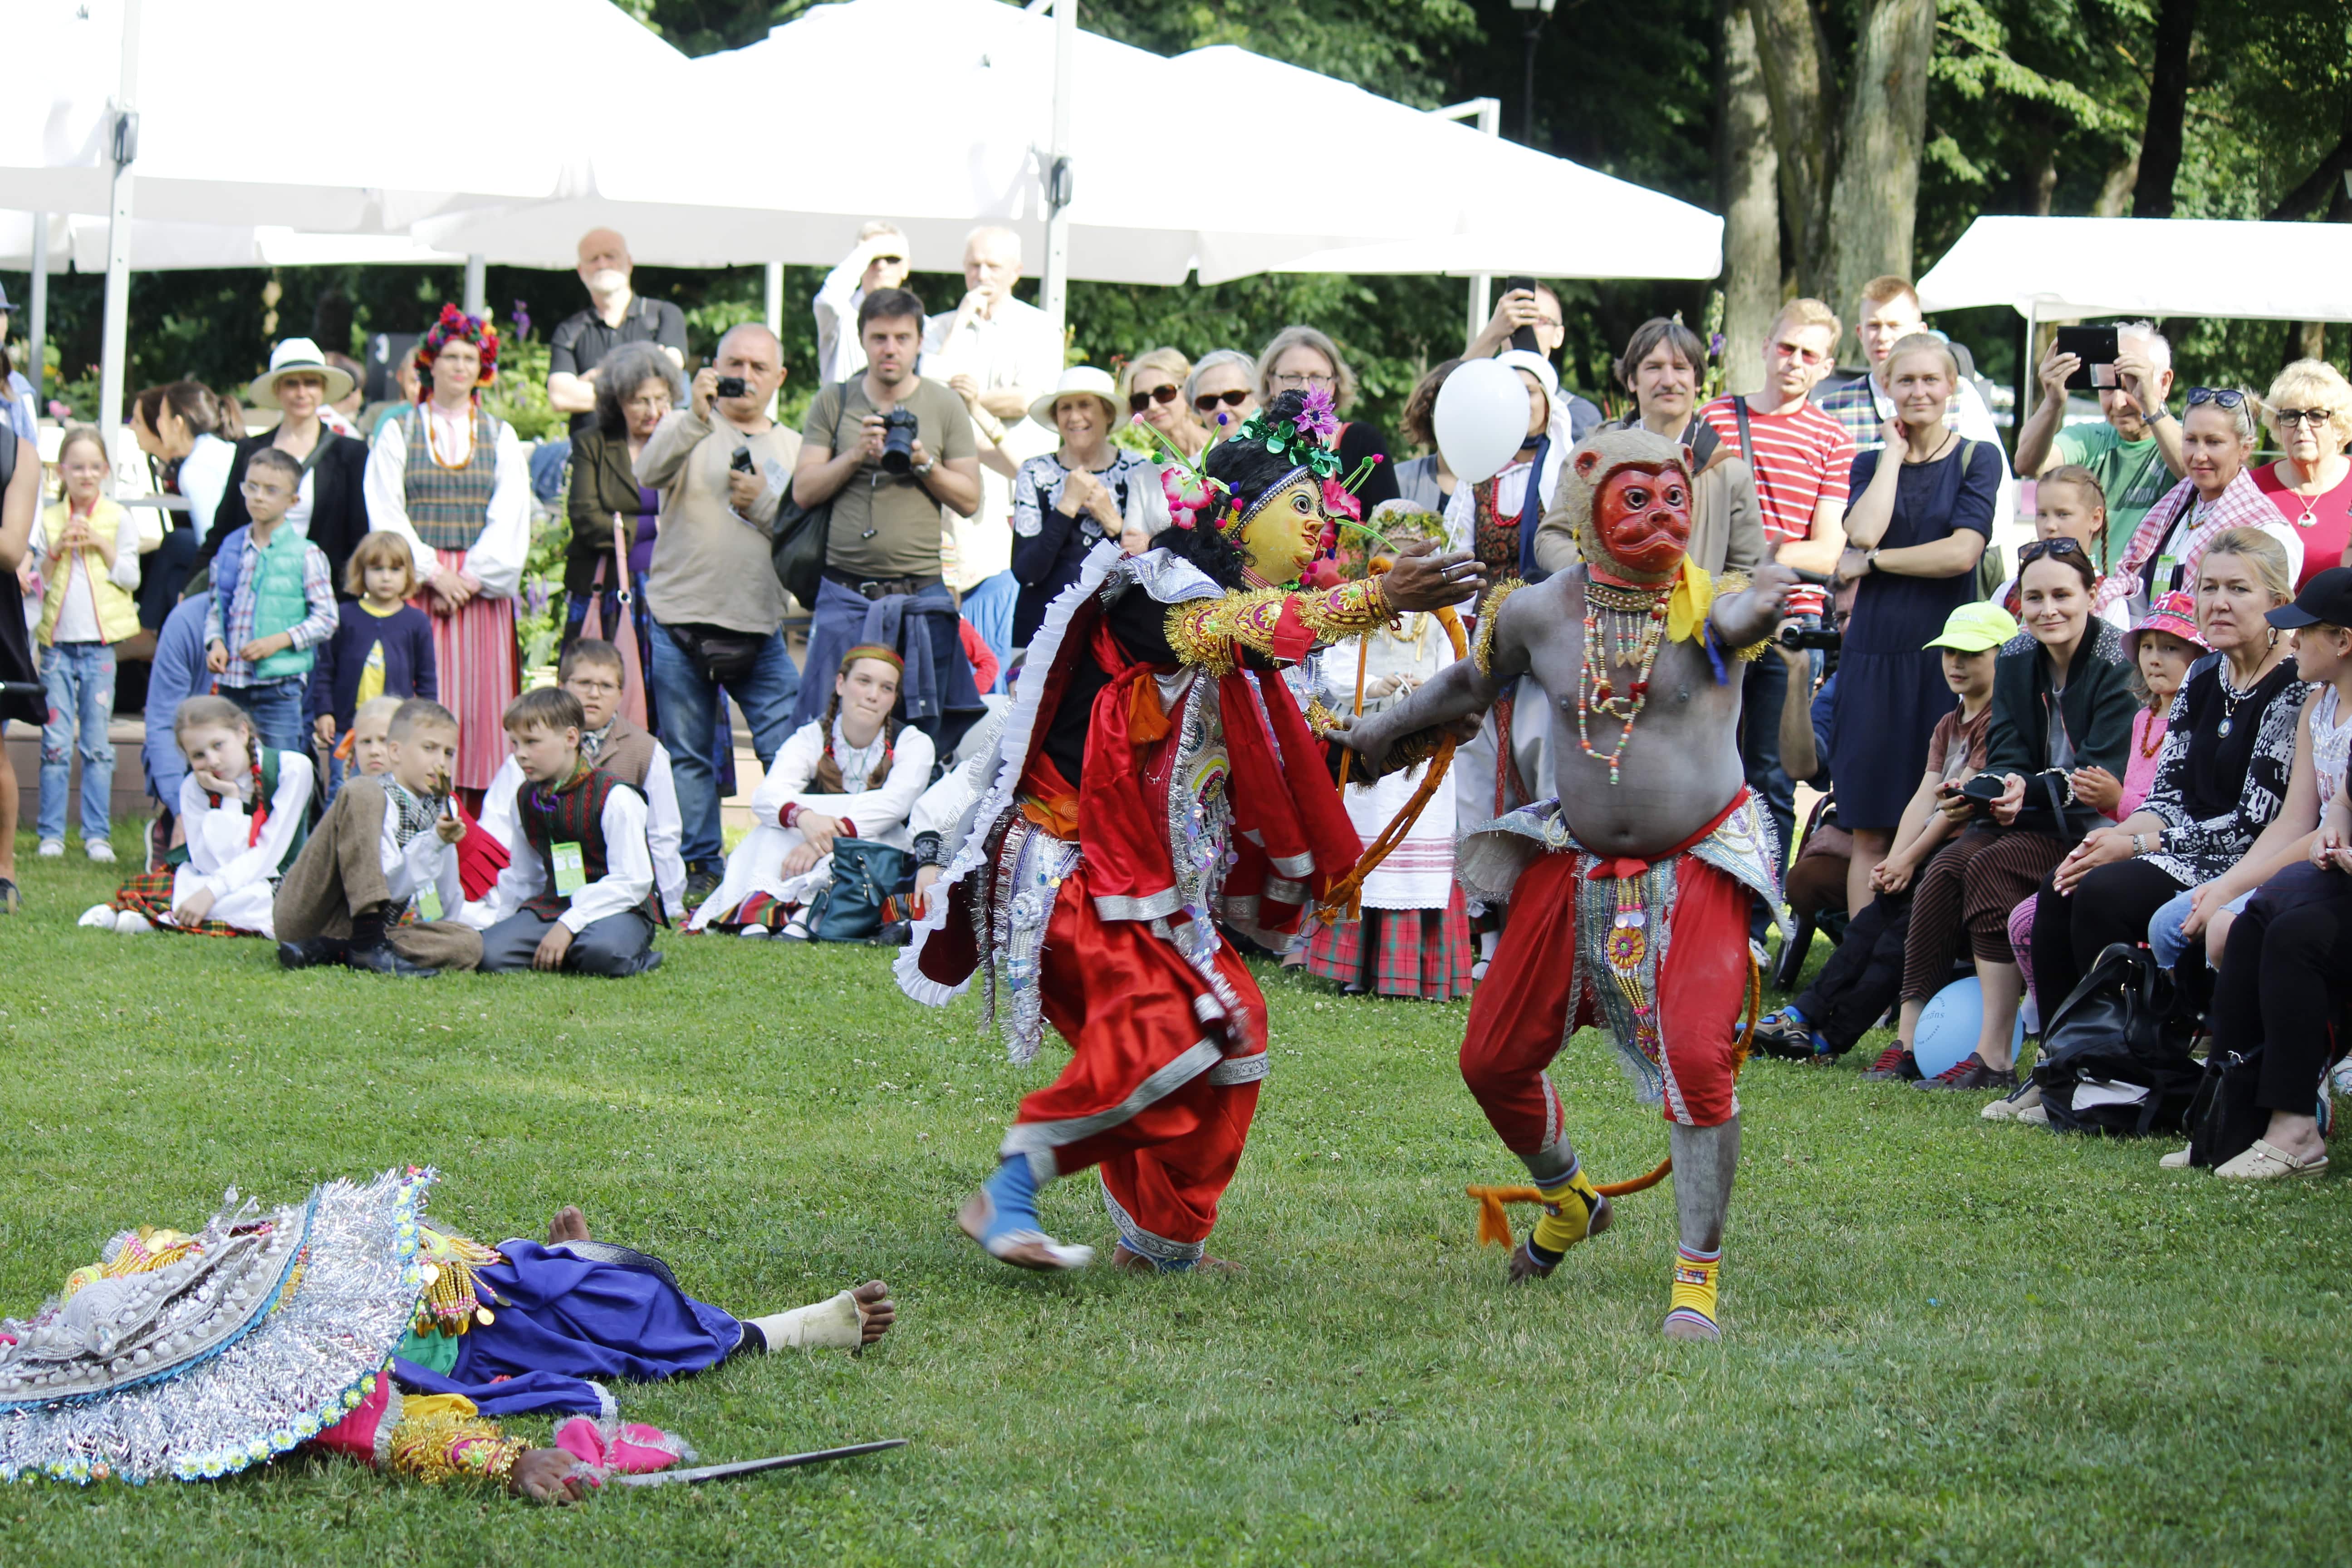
{"x": 888, "y": 261}
{"x": 2221, "y": 398}
{"x": 2042, "y": 547}
{"x": 1139, "y": 401}
{"x": 2287, "y": 416}
{"x": 1800, "y": 354}
{"x": 1207, "y": 402}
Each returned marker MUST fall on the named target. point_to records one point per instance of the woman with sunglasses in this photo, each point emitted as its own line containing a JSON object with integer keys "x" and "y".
{"x": 2221, "y": 778}
{"x": 1301, "y": 359}
{"x": 2216, "y": 437}
{"x": 1152, "y": 385}
{"x": 2309, "y": 412}
{"x": 2062, "y": 704}
{"x": 1223, "y": 391}
{"x": 1921, "y": 513}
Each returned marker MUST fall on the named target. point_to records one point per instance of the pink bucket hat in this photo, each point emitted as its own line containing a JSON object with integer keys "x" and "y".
{"x": 2174, "y": 613}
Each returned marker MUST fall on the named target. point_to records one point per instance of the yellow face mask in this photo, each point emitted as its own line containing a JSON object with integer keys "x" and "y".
{"x": 1284, "y": 529}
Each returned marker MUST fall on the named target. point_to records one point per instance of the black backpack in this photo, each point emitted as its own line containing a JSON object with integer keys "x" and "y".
{"x": 2115, "y": 1053}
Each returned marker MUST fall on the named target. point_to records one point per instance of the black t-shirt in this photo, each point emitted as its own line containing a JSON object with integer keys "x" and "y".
{"x": 581, "y": 340}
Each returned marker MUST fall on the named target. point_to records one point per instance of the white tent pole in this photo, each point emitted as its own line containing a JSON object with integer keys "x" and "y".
{"x": 37, "y": 329}
{"x": 1488, "y": 113}
{"x": 477, "y": 286}
{"x": 773, "y": 293}
{"x": 2029, "y": 382}
{"x": 1054, "y": 294}
{"x": 111, "y": 343}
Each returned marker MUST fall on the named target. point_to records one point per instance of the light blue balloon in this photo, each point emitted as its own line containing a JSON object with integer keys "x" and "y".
{"x": 1948, "y": 1027}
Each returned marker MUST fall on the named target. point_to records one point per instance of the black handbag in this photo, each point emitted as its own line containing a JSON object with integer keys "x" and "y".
{"x": 802, "y": 534}
{"x": 2121, "y": 1031}
{"x": 2223, "y": 1120}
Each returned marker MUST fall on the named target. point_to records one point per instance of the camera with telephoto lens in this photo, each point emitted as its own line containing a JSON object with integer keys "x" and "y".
{"x": 732, "y": 386}
{"x": 1809, "y": 633}
{"x": 899, "y": 428}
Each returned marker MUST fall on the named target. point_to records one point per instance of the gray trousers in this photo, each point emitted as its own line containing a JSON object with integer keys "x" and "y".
{"x": 615, "y": 946}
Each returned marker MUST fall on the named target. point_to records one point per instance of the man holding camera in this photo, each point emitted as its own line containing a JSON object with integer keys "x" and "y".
{"x": 888, "y": 449}
{"x": 722, "y": 467}
{"x": 614, "y": 316}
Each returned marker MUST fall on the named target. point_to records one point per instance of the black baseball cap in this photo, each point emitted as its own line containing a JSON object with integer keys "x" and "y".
{"x": 2327, "y": 598}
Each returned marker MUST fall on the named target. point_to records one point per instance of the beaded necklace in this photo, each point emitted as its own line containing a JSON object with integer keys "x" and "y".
{"x": 433, "y": 446}
{"x": 1634, "y": 620}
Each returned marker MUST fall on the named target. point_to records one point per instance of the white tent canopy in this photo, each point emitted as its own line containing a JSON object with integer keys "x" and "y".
{"x": 157, "y": 246}
{"x": 2069, "y": 269}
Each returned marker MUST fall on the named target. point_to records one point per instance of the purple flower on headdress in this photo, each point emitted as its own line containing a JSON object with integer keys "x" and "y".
{"x": 522, "y": 319}
{"x": 1318, "y": 417}
{"x": 1714, "y": 345}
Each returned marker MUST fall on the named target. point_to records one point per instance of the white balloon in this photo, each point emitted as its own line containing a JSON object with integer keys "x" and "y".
{"x": 1480, "y": 419}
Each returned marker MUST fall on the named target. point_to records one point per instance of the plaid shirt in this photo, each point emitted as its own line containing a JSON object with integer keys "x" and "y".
{"x": 1856, "y": 405}
{"x": 318, "y": 591}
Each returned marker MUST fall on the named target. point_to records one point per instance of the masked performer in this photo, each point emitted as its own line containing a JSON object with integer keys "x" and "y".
{"x": 348, "y": 1323}
{"x": 1157, "y": 777}
{"x": 1630, "y": 893}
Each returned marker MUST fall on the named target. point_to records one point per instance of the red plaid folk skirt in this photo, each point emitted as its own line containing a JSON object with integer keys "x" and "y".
{"x": 150, "y": 893}
{"x": 1399, "y": 952}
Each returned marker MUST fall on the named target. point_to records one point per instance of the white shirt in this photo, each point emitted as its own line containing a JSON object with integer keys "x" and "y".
{"x": 840, "y": 353}
{"x": 498, "y": 554}
{"x": 664, "y": 827}
{"x": 1017, "y": 346}
{"x": 879, "y": 814}
{"x": 628, "y": 872}
{"x": 425, "y": 862}
{"x": 221, "y": 861}
{"x": 204, "y": 480}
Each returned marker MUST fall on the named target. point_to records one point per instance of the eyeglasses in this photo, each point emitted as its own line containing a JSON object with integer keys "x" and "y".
{"x": 2287, "y": 416}
{"x": 1294, "y": 380}
{"x": 1137, "y": 401}
{"x": 2221, "y": 398}
{"x": 1800, "y": 354}
{"x": 1207, "y": 402}
{"x": 608, "y": 688}
{"x": 2042, "y": 547}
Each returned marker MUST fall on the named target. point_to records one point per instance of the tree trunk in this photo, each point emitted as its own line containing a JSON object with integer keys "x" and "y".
{"x": 2116, "y": 190}
{"x": 2167, "y": 108}
{"x": 2311, "y": 339}
{"x": 1802, "y": 87}
{"x": 1746, "y": 170}
{"x": 1875, "y": 195}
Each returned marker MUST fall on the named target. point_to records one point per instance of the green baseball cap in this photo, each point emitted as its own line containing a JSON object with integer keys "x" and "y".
{"x": 1973, "y": 628}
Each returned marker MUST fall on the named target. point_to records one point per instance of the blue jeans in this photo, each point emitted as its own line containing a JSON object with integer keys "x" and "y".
{"x": 79, "y": 680}
{"x": 2164, "y": 938}
{"x": 280, "y": 712}
{"x": 690, "y": 706}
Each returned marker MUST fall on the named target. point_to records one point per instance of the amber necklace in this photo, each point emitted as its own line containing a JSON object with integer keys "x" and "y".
{"x": 433, "y": 446}
{"x": 1621, "y": 626}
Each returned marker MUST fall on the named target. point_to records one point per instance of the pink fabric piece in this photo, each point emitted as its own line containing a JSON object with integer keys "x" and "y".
{"x": 634, "y": 1450}
{"x": 2139, "y": 762}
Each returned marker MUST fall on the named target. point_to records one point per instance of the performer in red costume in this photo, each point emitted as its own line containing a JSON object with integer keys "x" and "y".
{"x": 1157, "y": 776}
{"x": 1629, "y": 894}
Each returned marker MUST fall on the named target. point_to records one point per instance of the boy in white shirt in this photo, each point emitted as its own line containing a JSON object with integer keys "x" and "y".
{"x": 376, "y": 885}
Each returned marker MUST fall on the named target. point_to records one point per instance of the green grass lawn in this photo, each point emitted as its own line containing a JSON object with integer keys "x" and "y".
{"x": 1949, "y": 1341}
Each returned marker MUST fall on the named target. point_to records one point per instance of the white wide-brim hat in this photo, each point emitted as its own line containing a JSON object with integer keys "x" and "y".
{"x": 1078, "y": 380}
{"x": 297, "y": 356}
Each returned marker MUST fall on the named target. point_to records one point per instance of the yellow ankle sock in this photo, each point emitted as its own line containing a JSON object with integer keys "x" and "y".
{"x": 1693, "y": 1302}
{"x": 1567, "y": 1216}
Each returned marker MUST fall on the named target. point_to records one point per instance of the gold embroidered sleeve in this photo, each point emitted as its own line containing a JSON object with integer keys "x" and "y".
{"x": 444, "y": 1446}
{"x": 1215, "y": 635}
{"x": 1730, "y": 583}
{"x": 1490, "y": 614}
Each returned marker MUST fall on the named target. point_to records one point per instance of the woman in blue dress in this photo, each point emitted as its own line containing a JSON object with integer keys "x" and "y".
{"x": 1921, "y": 516}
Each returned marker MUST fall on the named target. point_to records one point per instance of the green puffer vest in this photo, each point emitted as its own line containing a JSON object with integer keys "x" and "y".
{"x": 280, "y": 604}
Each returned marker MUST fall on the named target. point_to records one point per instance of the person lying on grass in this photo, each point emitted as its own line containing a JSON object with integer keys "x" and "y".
{"x": 348, "y": 1324}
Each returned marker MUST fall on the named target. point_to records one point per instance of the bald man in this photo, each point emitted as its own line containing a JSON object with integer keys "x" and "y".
{"x": 721, "y": 466}
{"x": 614, "y": 316}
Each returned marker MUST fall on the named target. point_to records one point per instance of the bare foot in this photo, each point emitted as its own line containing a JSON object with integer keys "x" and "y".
{"x": 569, "y": 1225}
{"x": 1524, "y": 1268}
{"x": 875, "y": 1311}
{"x": 1134, "y": 1262}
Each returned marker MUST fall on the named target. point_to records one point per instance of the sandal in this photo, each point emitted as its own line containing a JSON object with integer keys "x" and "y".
{"x": 2264, "y": 1162}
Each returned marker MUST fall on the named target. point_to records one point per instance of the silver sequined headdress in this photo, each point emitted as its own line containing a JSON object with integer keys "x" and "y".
{"x": 267, "y": 1331}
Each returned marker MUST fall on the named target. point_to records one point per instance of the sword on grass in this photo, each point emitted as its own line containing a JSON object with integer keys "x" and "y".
{"x": 753, "y": 1466}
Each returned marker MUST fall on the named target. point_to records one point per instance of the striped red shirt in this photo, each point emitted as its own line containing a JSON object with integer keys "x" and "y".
{"x": 1801, "y": 460}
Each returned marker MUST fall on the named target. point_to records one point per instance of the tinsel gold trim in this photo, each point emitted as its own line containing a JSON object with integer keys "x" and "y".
{"x": 1211, "y": 634}
{"x": 1490, "y": 611}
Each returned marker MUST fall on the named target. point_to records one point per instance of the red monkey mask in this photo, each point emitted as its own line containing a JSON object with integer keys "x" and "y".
{"x": 1627, "y": 495}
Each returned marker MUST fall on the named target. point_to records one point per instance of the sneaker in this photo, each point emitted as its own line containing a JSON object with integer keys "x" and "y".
{"x": 98, "y": 917}
{"x": 52, "y": 850}
{"x": 131, "y": 922}
{"x": 11, "y": 900}
{"x": 1969, "y": 1074}
{"x": 1893, "y": 1062}
{"x": 98, "y": 850}
{"x": 755, "y": 933}
{"x": 2176, "y": 1161}
{"x": 794, "y": 930}
{"x": 1786, "y": 1037}
{"x": 2013, "y": 1109}
{"x": 701, "y": 883}
{"x": 2341, "y": 1077}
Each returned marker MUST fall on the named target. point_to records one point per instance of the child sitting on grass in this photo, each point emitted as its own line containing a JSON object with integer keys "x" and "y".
{"x": 273, "y": 602}
{"x": 244, "y": 805}
{"x": 376, "y": 887}
{"x": 592, "y": 670}
{"x": 382, "y": 645}
{"x": 366, "y": 745}
{"x": 579, "y": 893}
{"x": 86, "y": 549}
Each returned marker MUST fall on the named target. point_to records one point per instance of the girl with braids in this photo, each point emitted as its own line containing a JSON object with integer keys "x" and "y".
{"x": 855, "y": 772}
{"x": 245, "y": 807}
{"x": 453, "y": 481}
{"x": 1156, "y": 784}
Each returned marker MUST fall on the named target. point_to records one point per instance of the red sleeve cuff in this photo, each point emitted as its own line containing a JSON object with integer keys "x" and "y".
{"x": 790, "y": 814}
{"x": 848, "y": 828}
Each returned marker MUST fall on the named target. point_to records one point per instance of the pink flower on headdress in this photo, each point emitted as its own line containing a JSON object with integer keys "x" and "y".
{"x": 1341, "y": 501}
{"x": 1318, "y": 417}
{"x": 1183, "y": 505}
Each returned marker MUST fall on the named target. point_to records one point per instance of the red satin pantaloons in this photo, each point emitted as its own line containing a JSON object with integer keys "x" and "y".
{"x": 1156, "y": 1097}
{"x": 1521, "y": 1017}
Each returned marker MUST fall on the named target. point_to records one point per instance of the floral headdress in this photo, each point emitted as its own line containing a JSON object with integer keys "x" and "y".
{"x": 1303, "y": 437}
{"x": 452, "y": 325}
